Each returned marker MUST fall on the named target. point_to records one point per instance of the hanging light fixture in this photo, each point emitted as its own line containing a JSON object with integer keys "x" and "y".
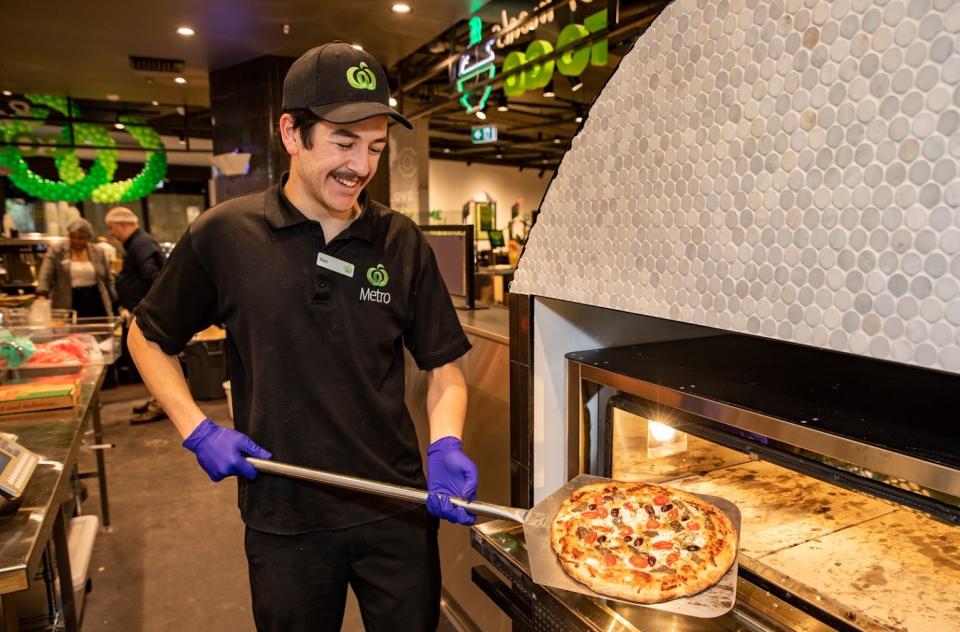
{"x": 502, "y": 105}
{"x": 548, "y": 92}
{"x": 575, "y": 83}
{"x": 481, "y": 115}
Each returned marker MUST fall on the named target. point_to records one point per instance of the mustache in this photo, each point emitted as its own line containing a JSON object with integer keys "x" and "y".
{"x": 347, "y": 174}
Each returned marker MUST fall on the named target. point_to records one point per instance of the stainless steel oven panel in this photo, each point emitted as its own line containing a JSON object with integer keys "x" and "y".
{"x": 924, "y": 473}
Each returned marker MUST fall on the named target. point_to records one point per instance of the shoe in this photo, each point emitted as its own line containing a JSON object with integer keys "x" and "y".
{"x": 148, "y": 416}
{"x": 142, "y": 408}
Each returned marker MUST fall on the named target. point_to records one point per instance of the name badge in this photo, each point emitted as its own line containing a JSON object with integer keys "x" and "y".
{"x": 336, "y": 265}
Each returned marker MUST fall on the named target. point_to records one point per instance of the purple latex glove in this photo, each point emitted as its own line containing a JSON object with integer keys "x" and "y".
{"x": 221, "y": 451}
{"x": 450, "y": 473}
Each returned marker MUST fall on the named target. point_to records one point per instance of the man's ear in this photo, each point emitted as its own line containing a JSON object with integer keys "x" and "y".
{"x": 289, "y": 135}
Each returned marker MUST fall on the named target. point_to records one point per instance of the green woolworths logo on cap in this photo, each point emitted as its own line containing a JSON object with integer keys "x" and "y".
{"x": 378, "y": 276}
{"x": 361, "y": 77}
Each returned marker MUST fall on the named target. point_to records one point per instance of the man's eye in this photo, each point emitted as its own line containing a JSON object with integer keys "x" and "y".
{"x": 345, "y": 146}
{"x": 376, "y": 150}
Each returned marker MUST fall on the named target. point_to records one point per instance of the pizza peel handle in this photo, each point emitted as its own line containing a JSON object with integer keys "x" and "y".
{"x": 383, "y": 489}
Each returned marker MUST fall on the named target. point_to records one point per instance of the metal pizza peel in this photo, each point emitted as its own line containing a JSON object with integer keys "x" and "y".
{"x": 544, "y": 567}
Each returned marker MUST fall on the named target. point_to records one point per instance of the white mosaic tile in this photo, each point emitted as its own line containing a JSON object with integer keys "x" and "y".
{"x": 785, "y": 168}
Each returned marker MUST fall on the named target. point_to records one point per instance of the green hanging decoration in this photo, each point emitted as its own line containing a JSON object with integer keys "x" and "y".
{"x": 75, "y": 184}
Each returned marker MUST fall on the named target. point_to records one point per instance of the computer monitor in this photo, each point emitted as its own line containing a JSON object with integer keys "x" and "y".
{"x": 496, "y": 238}
{"x": 452, "y": 246}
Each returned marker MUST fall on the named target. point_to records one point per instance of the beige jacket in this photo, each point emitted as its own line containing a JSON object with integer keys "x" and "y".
{"x": 55, "y": 277}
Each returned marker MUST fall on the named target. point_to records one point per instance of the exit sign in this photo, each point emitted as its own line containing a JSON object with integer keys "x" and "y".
{"x": 484, "y": 134}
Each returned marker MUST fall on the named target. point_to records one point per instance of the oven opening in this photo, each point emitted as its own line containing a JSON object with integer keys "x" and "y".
{"x": 817, "y": 531}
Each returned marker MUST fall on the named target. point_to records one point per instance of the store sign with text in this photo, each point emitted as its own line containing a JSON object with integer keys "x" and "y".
{"x": 571, "y": 63}
{"x": 477, "y": 63}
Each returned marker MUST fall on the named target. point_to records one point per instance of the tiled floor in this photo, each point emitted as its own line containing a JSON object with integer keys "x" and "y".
{"x": 173, "y": 558}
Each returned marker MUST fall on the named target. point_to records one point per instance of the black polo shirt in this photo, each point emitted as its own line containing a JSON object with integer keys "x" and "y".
{"x": 142, "y": 262}
{"x": 315, "y": 354}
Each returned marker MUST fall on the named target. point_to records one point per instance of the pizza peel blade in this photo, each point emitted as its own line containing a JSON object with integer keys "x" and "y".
{"x": 546, "y": 570}
{"x": 544, "y": 567}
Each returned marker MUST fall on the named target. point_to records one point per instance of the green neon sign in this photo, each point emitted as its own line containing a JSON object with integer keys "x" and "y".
{"x": 75, "y": 184}
{"x": 474, "y": 66}
{"x": 571, "y": 63}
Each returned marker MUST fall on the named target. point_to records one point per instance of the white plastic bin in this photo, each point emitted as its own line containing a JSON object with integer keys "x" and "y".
{"x": 32, "y": 603}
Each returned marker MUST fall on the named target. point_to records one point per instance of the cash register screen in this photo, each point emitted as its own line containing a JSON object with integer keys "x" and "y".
{"x": 4, "y": 459}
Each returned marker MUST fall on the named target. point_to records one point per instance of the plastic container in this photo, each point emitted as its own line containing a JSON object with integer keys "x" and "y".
{"x": 25, "y": 317}
{"x": 90, "y": 341}
{"x": 32, "y": 603}
{"x": 229, "y": 392}
{"x": 206, "y": 363}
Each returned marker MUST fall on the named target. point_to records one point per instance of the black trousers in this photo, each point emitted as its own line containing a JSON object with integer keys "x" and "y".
{"x": 87, "y": 302}
{"x": 299, "y": 582}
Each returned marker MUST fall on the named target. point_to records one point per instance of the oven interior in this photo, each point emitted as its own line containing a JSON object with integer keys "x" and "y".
{"x": 850, "y": 547}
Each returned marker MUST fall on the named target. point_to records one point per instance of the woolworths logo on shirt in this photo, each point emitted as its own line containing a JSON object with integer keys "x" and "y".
{"x": 378, "y": 278}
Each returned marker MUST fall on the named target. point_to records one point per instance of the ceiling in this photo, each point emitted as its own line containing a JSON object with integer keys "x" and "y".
{"x": 81, "y": 49}
{"x": 534, "y": 131}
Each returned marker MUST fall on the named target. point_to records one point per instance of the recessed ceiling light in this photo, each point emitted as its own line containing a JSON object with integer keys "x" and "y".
{"x": 7, "y": 93}
{"x": 186, "y": 31}
{"x": 400, "y": 7}
{"x": 556, "y": 140}
{"x": 481, "y": 115}
{"x": 579, "y": 119}
{"x": 180, "y": 80}
{"x": 392, "y": 102}
{"x": 499, "y": 156}
{"x": 118, "y": 125}
{"x": 446, "y": 150}
{"x": 113, "y": 97}
{"x": 154, "y": 103}
{"x": 357, "y": 46}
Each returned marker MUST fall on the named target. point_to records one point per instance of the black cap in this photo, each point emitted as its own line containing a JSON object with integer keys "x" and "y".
{"x": 340, "y": 84}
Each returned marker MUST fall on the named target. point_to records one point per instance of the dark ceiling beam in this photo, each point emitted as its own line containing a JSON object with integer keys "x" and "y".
{"x": 544, "y": 146}
{"x": 501, "y": 162}
{"x": 545, "y": 124}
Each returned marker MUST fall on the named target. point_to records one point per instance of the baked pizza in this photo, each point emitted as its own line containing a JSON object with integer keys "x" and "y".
{"x": 642, "y": 542}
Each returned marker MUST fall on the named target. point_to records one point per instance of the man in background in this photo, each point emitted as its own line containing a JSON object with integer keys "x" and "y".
{"x": 142, "y": 261}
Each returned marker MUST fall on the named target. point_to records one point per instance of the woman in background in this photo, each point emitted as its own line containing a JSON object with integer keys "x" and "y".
{"x": 75, "y": 275}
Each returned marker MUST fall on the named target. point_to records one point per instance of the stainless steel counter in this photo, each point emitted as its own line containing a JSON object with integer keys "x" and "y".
{"x": 55, "y": 436}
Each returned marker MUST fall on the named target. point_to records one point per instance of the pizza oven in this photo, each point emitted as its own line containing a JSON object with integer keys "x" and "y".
{"x": 846, "y": 471}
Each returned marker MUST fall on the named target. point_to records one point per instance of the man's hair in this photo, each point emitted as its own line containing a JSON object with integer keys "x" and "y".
{"x": 303, "y": 121}
{"x": 121, "y": 215}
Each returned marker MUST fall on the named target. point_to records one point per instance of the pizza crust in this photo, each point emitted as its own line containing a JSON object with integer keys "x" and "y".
{"x": 622, "y": 581}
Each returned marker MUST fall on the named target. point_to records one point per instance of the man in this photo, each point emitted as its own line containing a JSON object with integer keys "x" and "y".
{"x": 320, "y": 289}
{"x": 141, "y": 266}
